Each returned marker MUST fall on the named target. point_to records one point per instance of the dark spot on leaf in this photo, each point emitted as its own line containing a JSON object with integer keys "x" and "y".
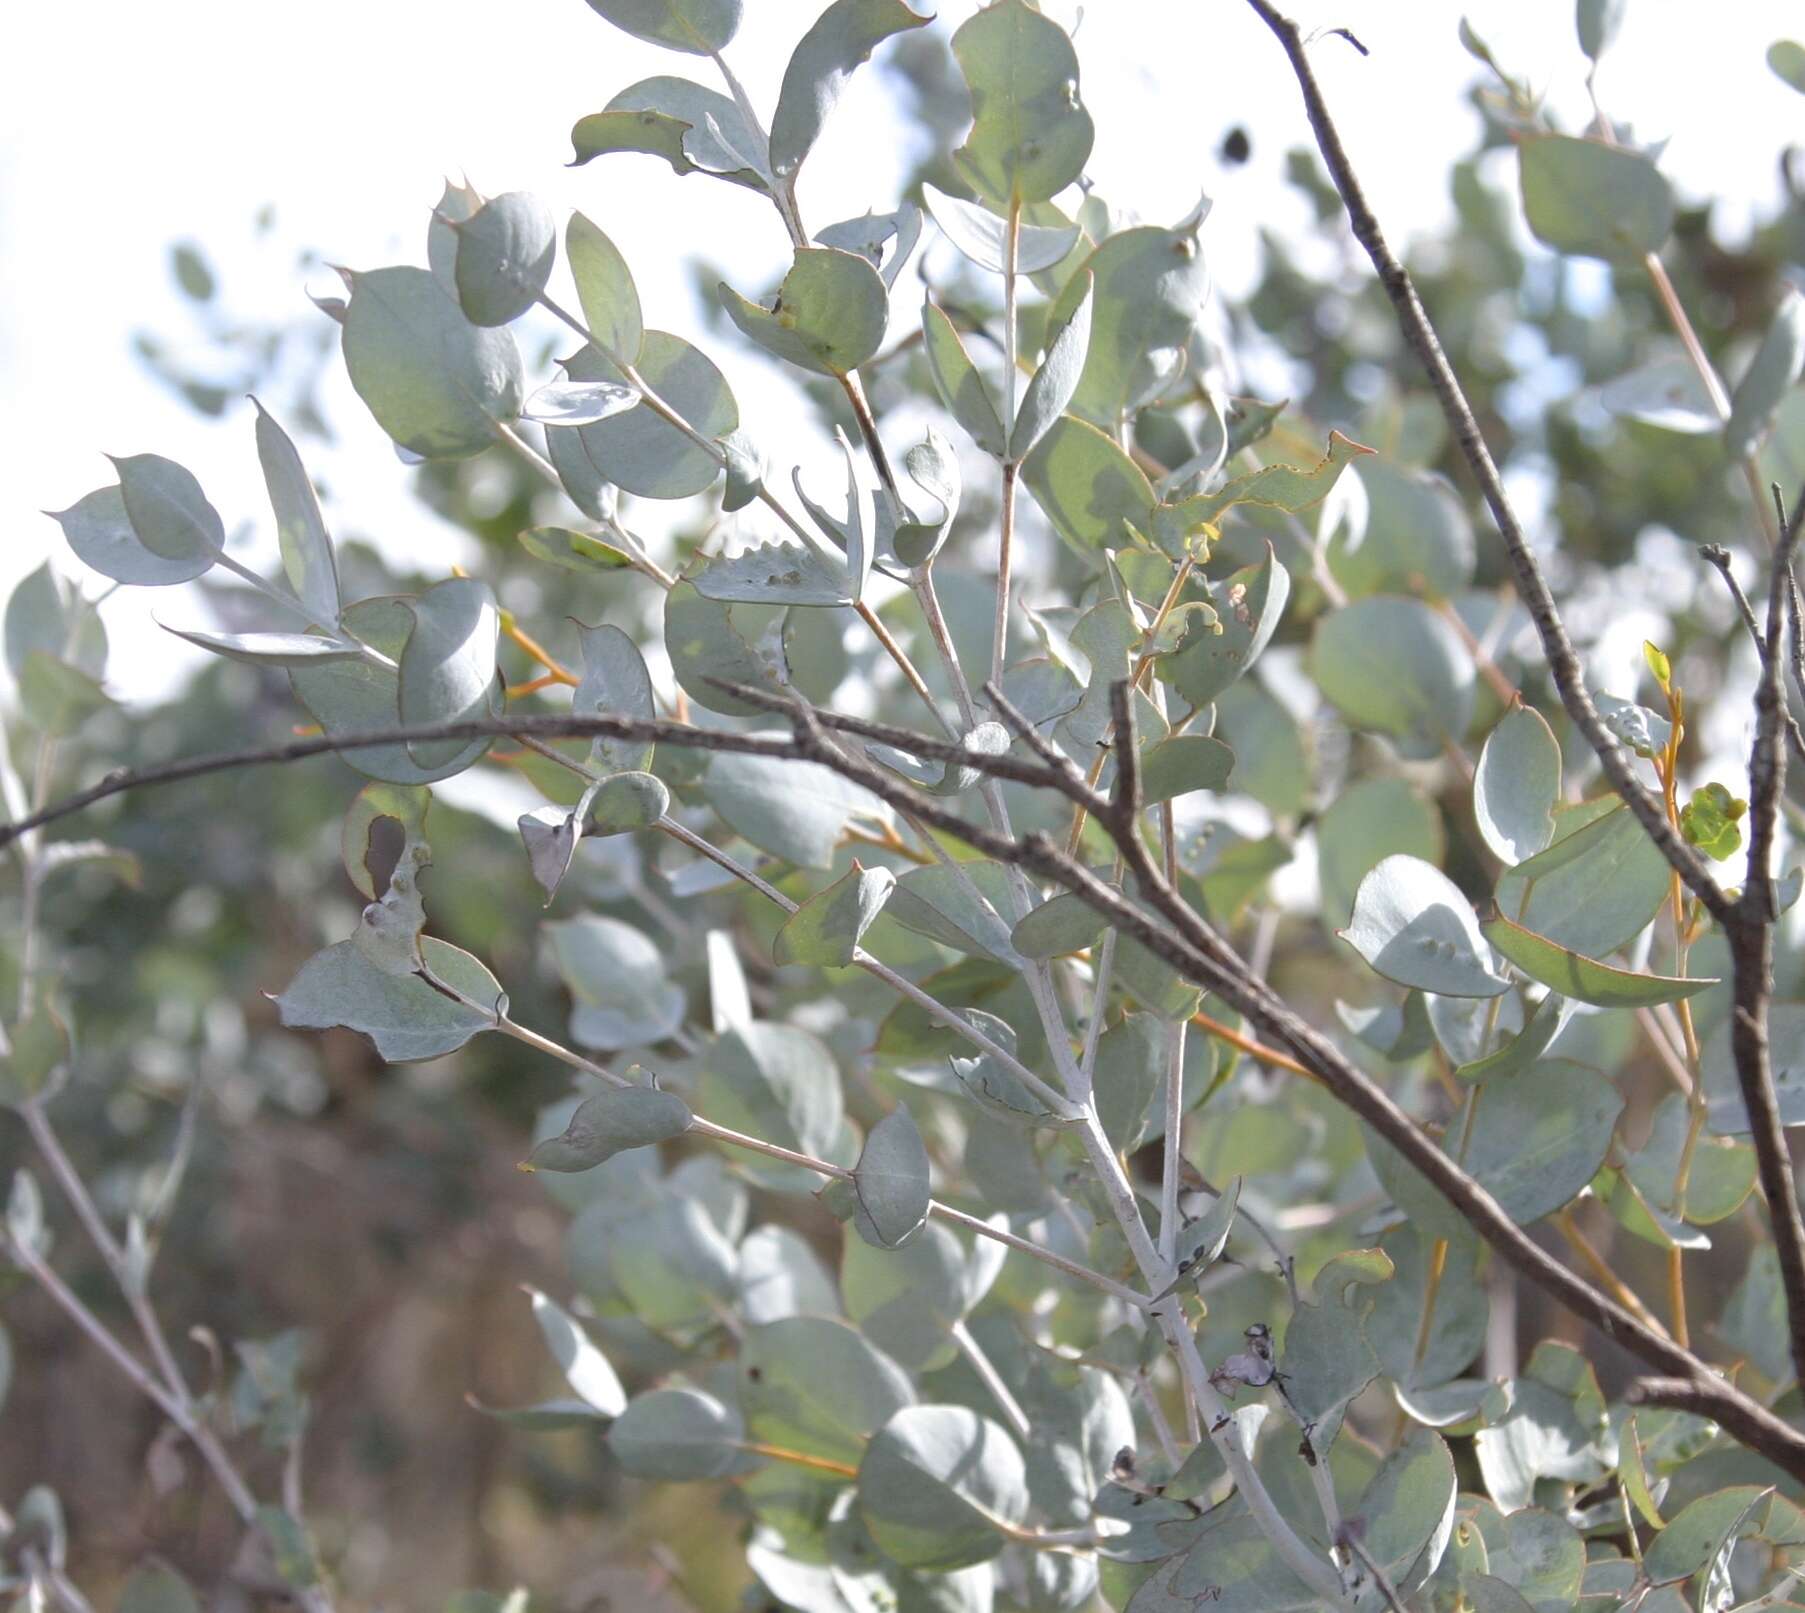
{"x": 1236, "y": 147}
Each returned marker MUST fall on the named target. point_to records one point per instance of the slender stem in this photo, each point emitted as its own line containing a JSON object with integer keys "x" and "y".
{"x": 985, "y": 1368}
{"x": 1005, "y": 561}
{"x": 1006, "y": 532}
{"x": 1602, "y": 1271}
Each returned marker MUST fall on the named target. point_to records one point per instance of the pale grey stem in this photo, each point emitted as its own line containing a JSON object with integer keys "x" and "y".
{"x": 985, "y": 1368}
{"x": 1162, "y": 1425}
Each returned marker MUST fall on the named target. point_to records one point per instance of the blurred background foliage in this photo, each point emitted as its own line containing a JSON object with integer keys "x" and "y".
{"x": 370, "y": 1217}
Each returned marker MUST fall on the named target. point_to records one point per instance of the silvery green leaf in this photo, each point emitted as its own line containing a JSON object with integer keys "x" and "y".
{"x": 605, "y": 290}
{"x": 827, "y": 929}
{"x": 270, "y": 649}
{"x": 1725, "y": 1111}
{"x": 57, "y": 698}
{"x": 1527, "y": 1046}
{"x": 1416, "y": 537}
{"x": 637, "y": 450}
{"x": 781, "y": 1276}
{"x": 615, "y": 683}
{"x": 960, "y": 907}
{"x": 1598, "y": 22}
{"x": 936, "y": 1482}
{"x": 407, "y": 1018}
{"x": 1412, "y": 925}
{"x": 1516, "y": 786}
{"x": 356, "y": 697}
{"x": 437, "y": 384}
{"x": 100, "y": 532}
{"x": 1200, "y": 1244}
{"x": 1594, "y": 890}
{"x": 505, "y": 253}
{"x": 1030, "y": 135}
{"x": 1787, "y": 59}
{"x": 777, "y": 573}
{"x": 448, "y": 665}
{"x": 814, "y": 1385}
{"x": 1666, "y": 392}
{"x": 745, "y": 469}
{"x": 167, "y": 509}
{"x": 695, "y": 27}
{"x": 830, "y": 313}
{"x": 891, "y": 1181}
{"x": 842, "y": 37}
{"x": 1327, "y": 1359}
{"x": 908, "y": 542}
{"x": 1151, "y": 289}
{"x": 1089, "y": 488}
{"x": 617, "y": 978}
{"x": 794, "y": 810}
{"x": 983, "y": 236}
{"x": 1370, "y": 820}
{"x": 1646, "y": 732}
{"x": 572, "y": 551}
{"x": 1182, "y": 763}
{"x": 1056, "y": 380}
{"x": 1593, "y": 200}
{"x": 871, "y": 235}
{"x": 307, "y": 558}
{"x": 694, "y": 129}
{"x": 1213, "y": 655}
{"x": 1062, "y": 924}
{"x": 1772, "y": 373}
{"x": 550, "y": 836}
{"x": 680, "y": 1434}
{"x": 586, "y": 1369}
{"x": 706, "y": 651}
{"x": 604, "y": 1125}
{"x": 42, "y": 614}
{"x": 628, "y": 801}
{"x": 1574, "y": 975}
{"x": 587, "y": 487}
{"x": 946, "y": 778}
{"x": 962, "y": 389}
{"x": 780, "y": 1083}
{"x": 456, "y": 203}
{"x": 993, "y": 1086}
{"x": 578, "y": 403}
{"x": 1396, "y": 667}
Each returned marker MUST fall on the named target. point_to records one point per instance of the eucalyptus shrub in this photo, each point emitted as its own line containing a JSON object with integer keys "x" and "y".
{"x": 948, "y": 1182}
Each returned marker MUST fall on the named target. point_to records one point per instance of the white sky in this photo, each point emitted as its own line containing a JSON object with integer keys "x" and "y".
{"x": 125, "y": 126}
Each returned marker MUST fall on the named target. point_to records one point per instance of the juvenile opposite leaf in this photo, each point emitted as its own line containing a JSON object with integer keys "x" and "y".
{"x": 505, "y": 253}
{"x": 1585, "y": 978}
{"x": 891, "y": 1181}
{"x": 578, "y": 403}
{"x": 1771, "y": 374}
{"x": 696, "y": 27}
{"x": 829, "y": 316}
{"x": 405, "y": 1017}
{"x": 1516, "y": 785}
{"x": 1183, "y": 763}
{"x": 604, "y": 1125}
{"x": 1152, "y": 286}
{"x": 884, "y": 240}
{"x": 448, "y": 667}
{"x": 1593, "y": 200}
{"x": 269, "y": 649}
{"x": 605, "y": 289}
{"x": 827, "y": 928}
{"x": 815, "y": 1385}
{"x": 983, "y": 236}
{"x": 1093, "y": 493}
{"x": 435, "y": 383}
{"x": 693, "y": 128}
{"x": 167, "y": 509}
{"x": 1413, "y": 926}
{"x": 962, "y": 389}
{"x": 934, "y": 1484}
{"x": 678, "y": 1434}
{"x": 615, "y": 683}
{"x": 307, "y": 558}
{"x": 573, "y": 551}
{"x": 1396, "y": 667}
{"x": 586, "y": 1369}
{"x": 100, "y": 532}
{"x": 642, "y": 453}
{"x": 1277, "y": 486}
{"x": 1056, "y": 380}
{"x": 1211, "y": 657}
{"x": 1030, "y": 135}
{"x": 843, "y": 36}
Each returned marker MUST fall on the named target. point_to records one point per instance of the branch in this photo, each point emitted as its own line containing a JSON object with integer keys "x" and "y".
{"x": 1752, "y": 955}
{"x": 1716, "y": 555}
{"x": 1532, "y": 586}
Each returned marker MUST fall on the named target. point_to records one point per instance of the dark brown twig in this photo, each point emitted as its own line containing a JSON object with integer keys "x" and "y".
{"x": 1718, "y": 557}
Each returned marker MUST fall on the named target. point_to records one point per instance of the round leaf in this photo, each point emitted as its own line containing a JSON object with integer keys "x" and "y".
{"x": 935, "y": 1483}
{"x": 1413, "y": 926}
